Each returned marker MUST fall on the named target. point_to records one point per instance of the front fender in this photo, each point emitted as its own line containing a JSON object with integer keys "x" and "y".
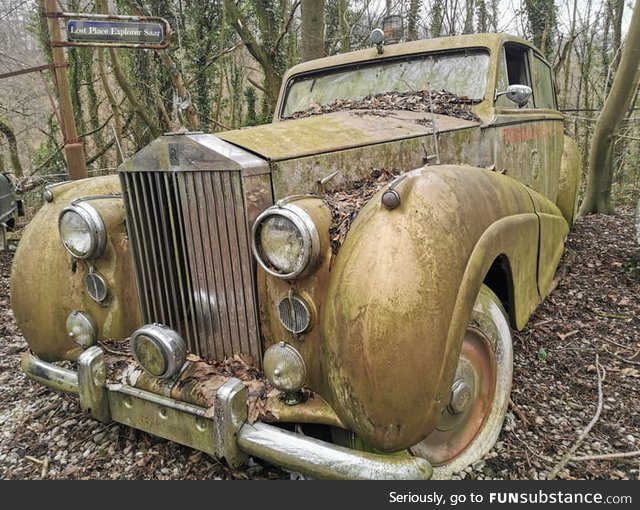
{"x": 47, "y": 284}
{"x": 394, "y": 318}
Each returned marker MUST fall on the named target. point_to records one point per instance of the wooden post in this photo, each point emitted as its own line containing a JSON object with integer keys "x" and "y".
{"x": 73, "y": 148}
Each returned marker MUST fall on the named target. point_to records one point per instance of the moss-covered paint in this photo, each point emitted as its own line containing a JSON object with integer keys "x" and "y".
{"x": 47, "y": 284}
{"x": 390, "y": 346}
{"x": 569, "y": 183}
{"x": 302, "y": 175}
{"x": 338, "y": 131}
{"x": 312, "y": 289}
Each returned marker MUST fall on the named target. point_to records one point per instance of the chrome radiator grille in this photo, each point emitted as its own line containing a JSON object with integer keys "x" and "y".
{"x": 190, "y": 244}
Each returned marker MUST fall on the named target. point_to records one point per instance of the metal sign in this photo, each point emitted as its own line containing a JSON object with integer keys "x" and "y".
{"x": 115, "y": 31}
{"x": 81, "y": 30}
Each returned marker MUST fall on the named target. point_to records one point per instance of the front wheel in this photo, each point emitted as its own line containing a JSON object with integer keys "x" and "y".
{"x": 472, "y": 420}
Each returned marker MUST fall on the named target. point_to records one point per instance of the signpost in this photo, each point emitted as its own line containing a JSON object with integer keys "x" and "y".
{"x": 94, "y": 30}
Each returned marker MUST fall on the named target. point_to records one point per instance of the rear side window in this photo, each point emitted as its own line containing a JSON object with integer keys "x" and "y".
{"x": 543, "y": 92}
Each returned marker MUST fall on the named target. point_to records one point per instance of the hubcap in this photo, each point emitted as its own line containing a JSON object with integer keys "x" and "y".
{"x": 470, "y": 400}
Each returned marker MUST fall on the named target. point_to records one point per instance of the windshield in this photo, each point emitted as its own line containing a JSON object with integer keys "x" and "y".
{"x": 463, "y": 73}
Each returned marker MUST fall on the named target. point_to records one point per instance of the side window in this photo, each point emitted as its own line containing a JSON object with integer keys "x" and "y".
{"x": 543, "y": 92}
{"x": 514, "y": 70}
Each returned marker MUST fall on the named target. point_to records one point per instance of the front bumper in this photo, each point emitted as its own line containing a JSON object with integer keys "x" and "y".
{"x": 222, "y": 430}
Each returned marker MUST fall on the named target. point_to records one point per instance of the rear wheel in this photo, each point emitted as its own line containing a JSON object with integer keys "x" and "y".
{"x": 471, "y": 422}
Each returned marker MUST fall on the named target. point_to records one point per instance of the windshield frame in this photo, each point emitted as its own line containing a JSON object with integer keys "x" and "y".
{"x": 317, "y": 73}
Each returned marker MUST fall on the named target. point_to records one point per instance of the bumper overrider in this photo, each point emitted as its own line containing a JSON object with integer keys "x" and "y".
{"x": 223, "y": 431}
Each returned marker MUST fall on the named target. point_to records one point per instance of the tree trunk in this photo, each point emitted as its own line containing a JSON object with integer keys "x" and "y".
{"x": 483, "y": 17}
{"x": 7, "y": 131}
{"x": 312, "y": 29}
{"x": 468, "y": 21}
{"x": 618, "y": 10}
{"x": 598, "y": 194}
{"x": 345, "y": 34}
{"x": 437, "y": 15}
{"x": 267, "y": 53}
{"x": 543, "y": 23}
{"x": 412, "y": 20}
{"x": 126, "y": 87}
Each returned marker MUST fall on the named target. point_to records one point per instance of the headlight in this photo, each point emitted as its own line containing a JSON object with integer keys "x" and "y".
{"x": 82, "y": 231}
{"x": 285, "y": 241}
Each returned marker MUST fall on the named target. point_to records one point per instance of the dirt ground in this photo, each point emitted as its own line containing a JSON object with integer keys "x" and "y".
{"x": 584, "y": 337}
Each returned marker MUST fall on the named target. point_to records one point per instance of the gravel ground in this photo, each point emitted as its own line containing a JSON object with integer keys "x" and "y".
{"x": 592, "y": 314}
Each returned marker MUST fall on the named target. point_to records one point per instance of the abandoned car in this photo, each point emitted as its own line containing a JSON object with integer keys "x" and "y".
{"x": 10, "y": 207}
{"x": 333, "y": 292}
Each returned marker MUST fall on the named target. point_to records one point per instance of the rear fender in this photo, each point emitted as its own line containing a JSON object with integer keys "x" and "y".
{"x": 569, "y": 184}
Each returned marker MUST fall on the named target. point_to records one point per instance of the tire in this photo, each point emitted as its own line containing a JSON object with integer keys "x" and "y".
{"x": 472, "y": 421}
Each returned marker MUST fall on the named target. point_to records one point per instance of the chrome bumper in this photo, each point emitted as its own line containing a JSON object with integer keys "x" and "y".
{"x": 222, "y": 430}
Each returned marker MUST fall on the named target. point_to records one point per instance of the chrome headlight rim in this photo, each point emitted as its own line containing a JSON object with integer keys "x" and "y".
{"x": 98, "y": 232}
{"x": 308, "y": 231}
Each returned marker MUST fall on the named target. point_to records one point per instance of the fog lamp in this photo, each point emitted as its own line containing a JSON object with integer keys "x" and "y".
{"x": 159, "y": 350}
{"x": 82, "y": 231}
{"x": 81, "y": 328}
{"x": 286, "y": 370}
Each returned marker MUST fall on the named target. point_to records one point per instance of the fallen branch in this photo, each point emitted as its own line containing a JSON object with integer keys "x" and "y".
{"x": 631, "y": 362}
{"x": 518, "y": 412}
{"x": 611, "y": 315}
{"x": 567, "y": 456}
{"x": 608, "y": 456}
{"x": 615, "y": 343}
{"x": 44, "y": 410}
{"x": 114, "y": 351}
{"x": 34, "y": 460}
{"x": 45, "y": 468}
{"x": 93, "y": 434}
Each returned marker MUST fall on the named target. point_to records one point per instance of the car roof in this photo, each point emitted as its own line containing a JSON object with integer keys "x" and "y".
{"x": 490, "y": 41}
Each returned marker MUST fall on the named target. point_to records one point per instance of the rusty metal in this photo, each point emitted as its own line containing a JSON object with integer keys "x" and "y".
{"x": 408, "y": 260}
{"x": 92, "y": 380}
{"x": 314, "y": 136}
{"x": 36, "y": 69}
{"x": 74, "y": 151}
{"x": 458, "y": 431}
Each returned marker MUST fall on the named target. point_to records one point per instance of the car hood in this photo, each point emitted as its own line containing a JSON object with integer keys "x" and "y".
{"x": 339, "y": 130}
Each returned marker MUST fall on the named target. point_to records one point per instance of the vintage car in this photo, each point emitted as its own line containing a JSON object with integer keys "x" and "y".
{"x": 333, "y": 292}
{"x": 10, "y": 207}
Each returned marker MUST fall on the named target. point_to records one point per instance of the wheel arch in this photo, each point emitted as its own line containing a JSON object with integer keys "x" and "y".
{"x": 499, "y": 279}
{"x": 503, "y": 260}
